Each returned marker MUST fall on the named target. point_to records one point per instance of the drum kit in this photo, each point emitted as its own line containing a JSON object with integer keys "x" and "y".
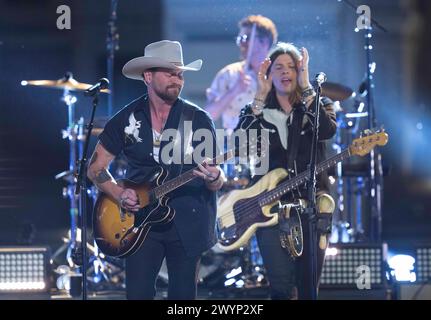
{"x": 103, "y": 271}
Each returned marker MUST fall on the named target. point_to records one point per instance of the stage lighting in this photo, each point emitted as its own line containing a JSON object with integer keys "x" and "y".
{"x": 402, "y": 266}
{"x": 423, "y": 264}
{"x": 23, "y": 269}
{"x": 345, "y": 264}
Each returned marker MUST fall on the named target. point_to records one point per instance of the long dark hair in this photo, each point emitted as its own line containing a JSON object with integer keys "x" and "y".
{"x": 279, "y": 49}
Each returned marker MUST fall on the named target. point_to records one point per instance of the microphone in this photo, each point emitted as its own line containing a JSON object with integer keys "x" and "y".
{"x": 363, "y": 88}
{"x": 94, "y": 89}
{"x": 320, "y": 78}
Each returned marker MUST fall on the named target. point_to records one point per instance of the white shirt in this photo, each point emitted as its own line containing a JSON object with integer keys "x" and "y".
{"x": 224, "y": 81}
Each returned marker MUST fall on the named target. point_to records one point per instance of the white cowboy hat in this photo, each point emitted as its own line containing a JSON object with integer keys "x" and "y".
{"x": 161, "y": 54}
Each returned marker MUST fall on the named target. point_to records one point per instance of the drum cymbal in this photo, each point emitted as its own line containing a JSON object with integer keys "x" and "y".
{"x": 67, "y": 82}
{"x": 335, "y": 91}
{"x": 67, "y": 176}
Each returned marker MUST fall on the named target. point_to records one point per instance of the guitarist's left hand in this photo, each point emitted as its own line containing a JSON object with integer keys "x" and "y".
{"x": 211, "y": 174}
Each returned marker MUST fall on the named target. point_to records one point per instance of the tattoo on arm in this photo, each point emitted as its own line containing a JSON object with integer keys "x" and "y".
{"x": 102, "y": 176}
{"x": 93, "y": 158}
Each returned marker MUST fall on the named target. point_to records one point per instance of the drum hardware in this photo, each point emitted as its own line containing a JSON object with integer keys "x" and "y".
{"x": 335, "y": 91}
{"x": 238, "y": 272}
{"x": 349, "y": 118}
{"x": 350, "y": 183}
{"x": 67, "y": 83}
{"x": 74, "y": 133}
{"x": 253, "y": 275}
{"x": 366, "y": 89}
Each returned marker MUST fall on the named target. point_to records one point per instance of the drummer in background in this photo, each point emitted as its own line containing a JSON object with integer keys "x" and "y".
{"x": 235, "y": 85}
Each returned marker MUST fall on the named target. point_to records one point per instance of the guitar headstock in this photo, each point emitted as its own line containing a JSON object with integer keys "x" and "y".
{"x": 363, "y": 145}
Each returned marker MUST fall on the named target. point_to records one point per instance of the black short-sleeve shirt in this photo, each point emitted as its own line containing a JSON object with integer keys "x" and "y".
{"x": 129, "y": 132}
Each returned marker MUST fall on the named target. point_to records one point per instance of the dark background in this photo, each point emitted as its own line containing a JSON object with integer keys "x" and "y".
{"x": 32, "y": 150}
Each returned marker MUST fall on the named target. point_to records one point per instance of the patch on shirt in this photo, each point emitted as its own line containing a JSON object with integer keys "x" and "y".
{"x": 132, "y": 130}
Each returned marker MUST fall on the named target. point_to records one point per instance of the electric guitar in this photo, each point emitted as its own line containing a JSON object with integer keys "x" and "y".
{"x": 120, "y": 233}
{"x": 241, "y": 212}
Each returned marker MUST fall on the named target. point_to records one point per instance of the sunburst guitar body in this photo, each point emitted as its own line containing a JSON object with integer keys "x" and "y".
{"x": 120, "y": 233}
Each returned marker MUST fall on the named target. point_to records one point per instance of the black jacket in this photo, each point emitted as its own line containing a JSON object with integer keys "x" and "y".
{"x": 296, "y": 131}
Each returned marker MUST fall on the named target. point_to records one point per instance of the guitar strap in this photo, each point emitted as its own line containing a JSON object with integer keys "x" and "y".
{"x": 294, "y": 135}
{"x": 187, "y": 114}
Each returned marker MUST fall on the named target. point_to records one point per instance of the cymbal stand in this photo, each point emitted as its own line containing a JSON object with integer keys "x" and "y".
{"x": 251, "y": 274}
{"x": 348, "y": 217}
{"x": 71, "y": 133}
{"x": 341, "y": 226}
{"x": 255, "y": 271}
{"x": 375, "y": 191}
{"x": 75, "y": 135}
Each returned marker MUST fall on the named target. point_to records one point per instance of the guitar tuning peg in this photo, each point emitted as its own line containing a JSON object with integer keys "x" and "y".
{"x": 367, "y": 132}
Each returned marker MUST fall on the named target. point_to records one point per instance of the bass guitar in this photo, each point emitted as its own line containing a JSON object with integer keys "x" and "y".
{"x": 241, "y": 212}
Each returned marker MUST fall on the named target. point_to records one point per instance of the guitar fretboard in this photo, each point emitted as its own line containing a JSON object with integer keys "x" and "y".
{"x": 187, "y": 176}
{"x": 276, "y": 193}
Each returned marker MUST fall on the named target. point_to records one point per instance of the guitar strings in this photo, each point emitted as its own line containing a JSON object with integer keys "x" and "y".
{"x": 303, "y": 175}
{"x": 247, "y": 207}
{"x": 228, "y": 155}
{"x": 325, "y": 163}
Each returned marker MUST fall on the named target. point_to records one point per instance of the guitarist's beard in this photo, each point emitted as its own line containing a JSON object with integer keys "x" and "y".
{"x": 170, "y": 94}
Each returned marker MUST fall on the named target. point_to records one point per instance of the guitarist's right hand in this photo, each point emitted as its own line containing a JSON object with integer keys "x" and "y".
{"x": 129, "y": 200}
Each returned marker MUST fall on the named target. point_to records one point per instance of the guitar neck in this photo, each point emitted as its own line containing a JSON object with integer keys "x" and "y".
{"x": 187, "y": 176}
{"x": 276, "y": 193}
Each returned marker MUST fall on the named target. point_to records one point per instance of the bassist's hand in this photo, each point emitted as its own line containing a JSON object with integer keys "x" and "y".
{"x": 129, "y": 200}
{"x": 211, "y": 174}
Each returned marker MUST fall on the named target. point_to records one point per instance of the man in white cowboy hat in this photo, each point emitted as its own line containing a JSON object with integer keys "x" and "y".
{"x": 137, "y": 132}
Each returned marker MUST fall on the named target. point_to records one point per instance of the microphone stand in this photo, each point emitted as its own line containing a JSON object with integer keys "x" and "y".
{"x": 373, "y": 21}
{"x": 311, "y": 210}
{"x": 81, "y": 189}
{"x": 375, "y": 157}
